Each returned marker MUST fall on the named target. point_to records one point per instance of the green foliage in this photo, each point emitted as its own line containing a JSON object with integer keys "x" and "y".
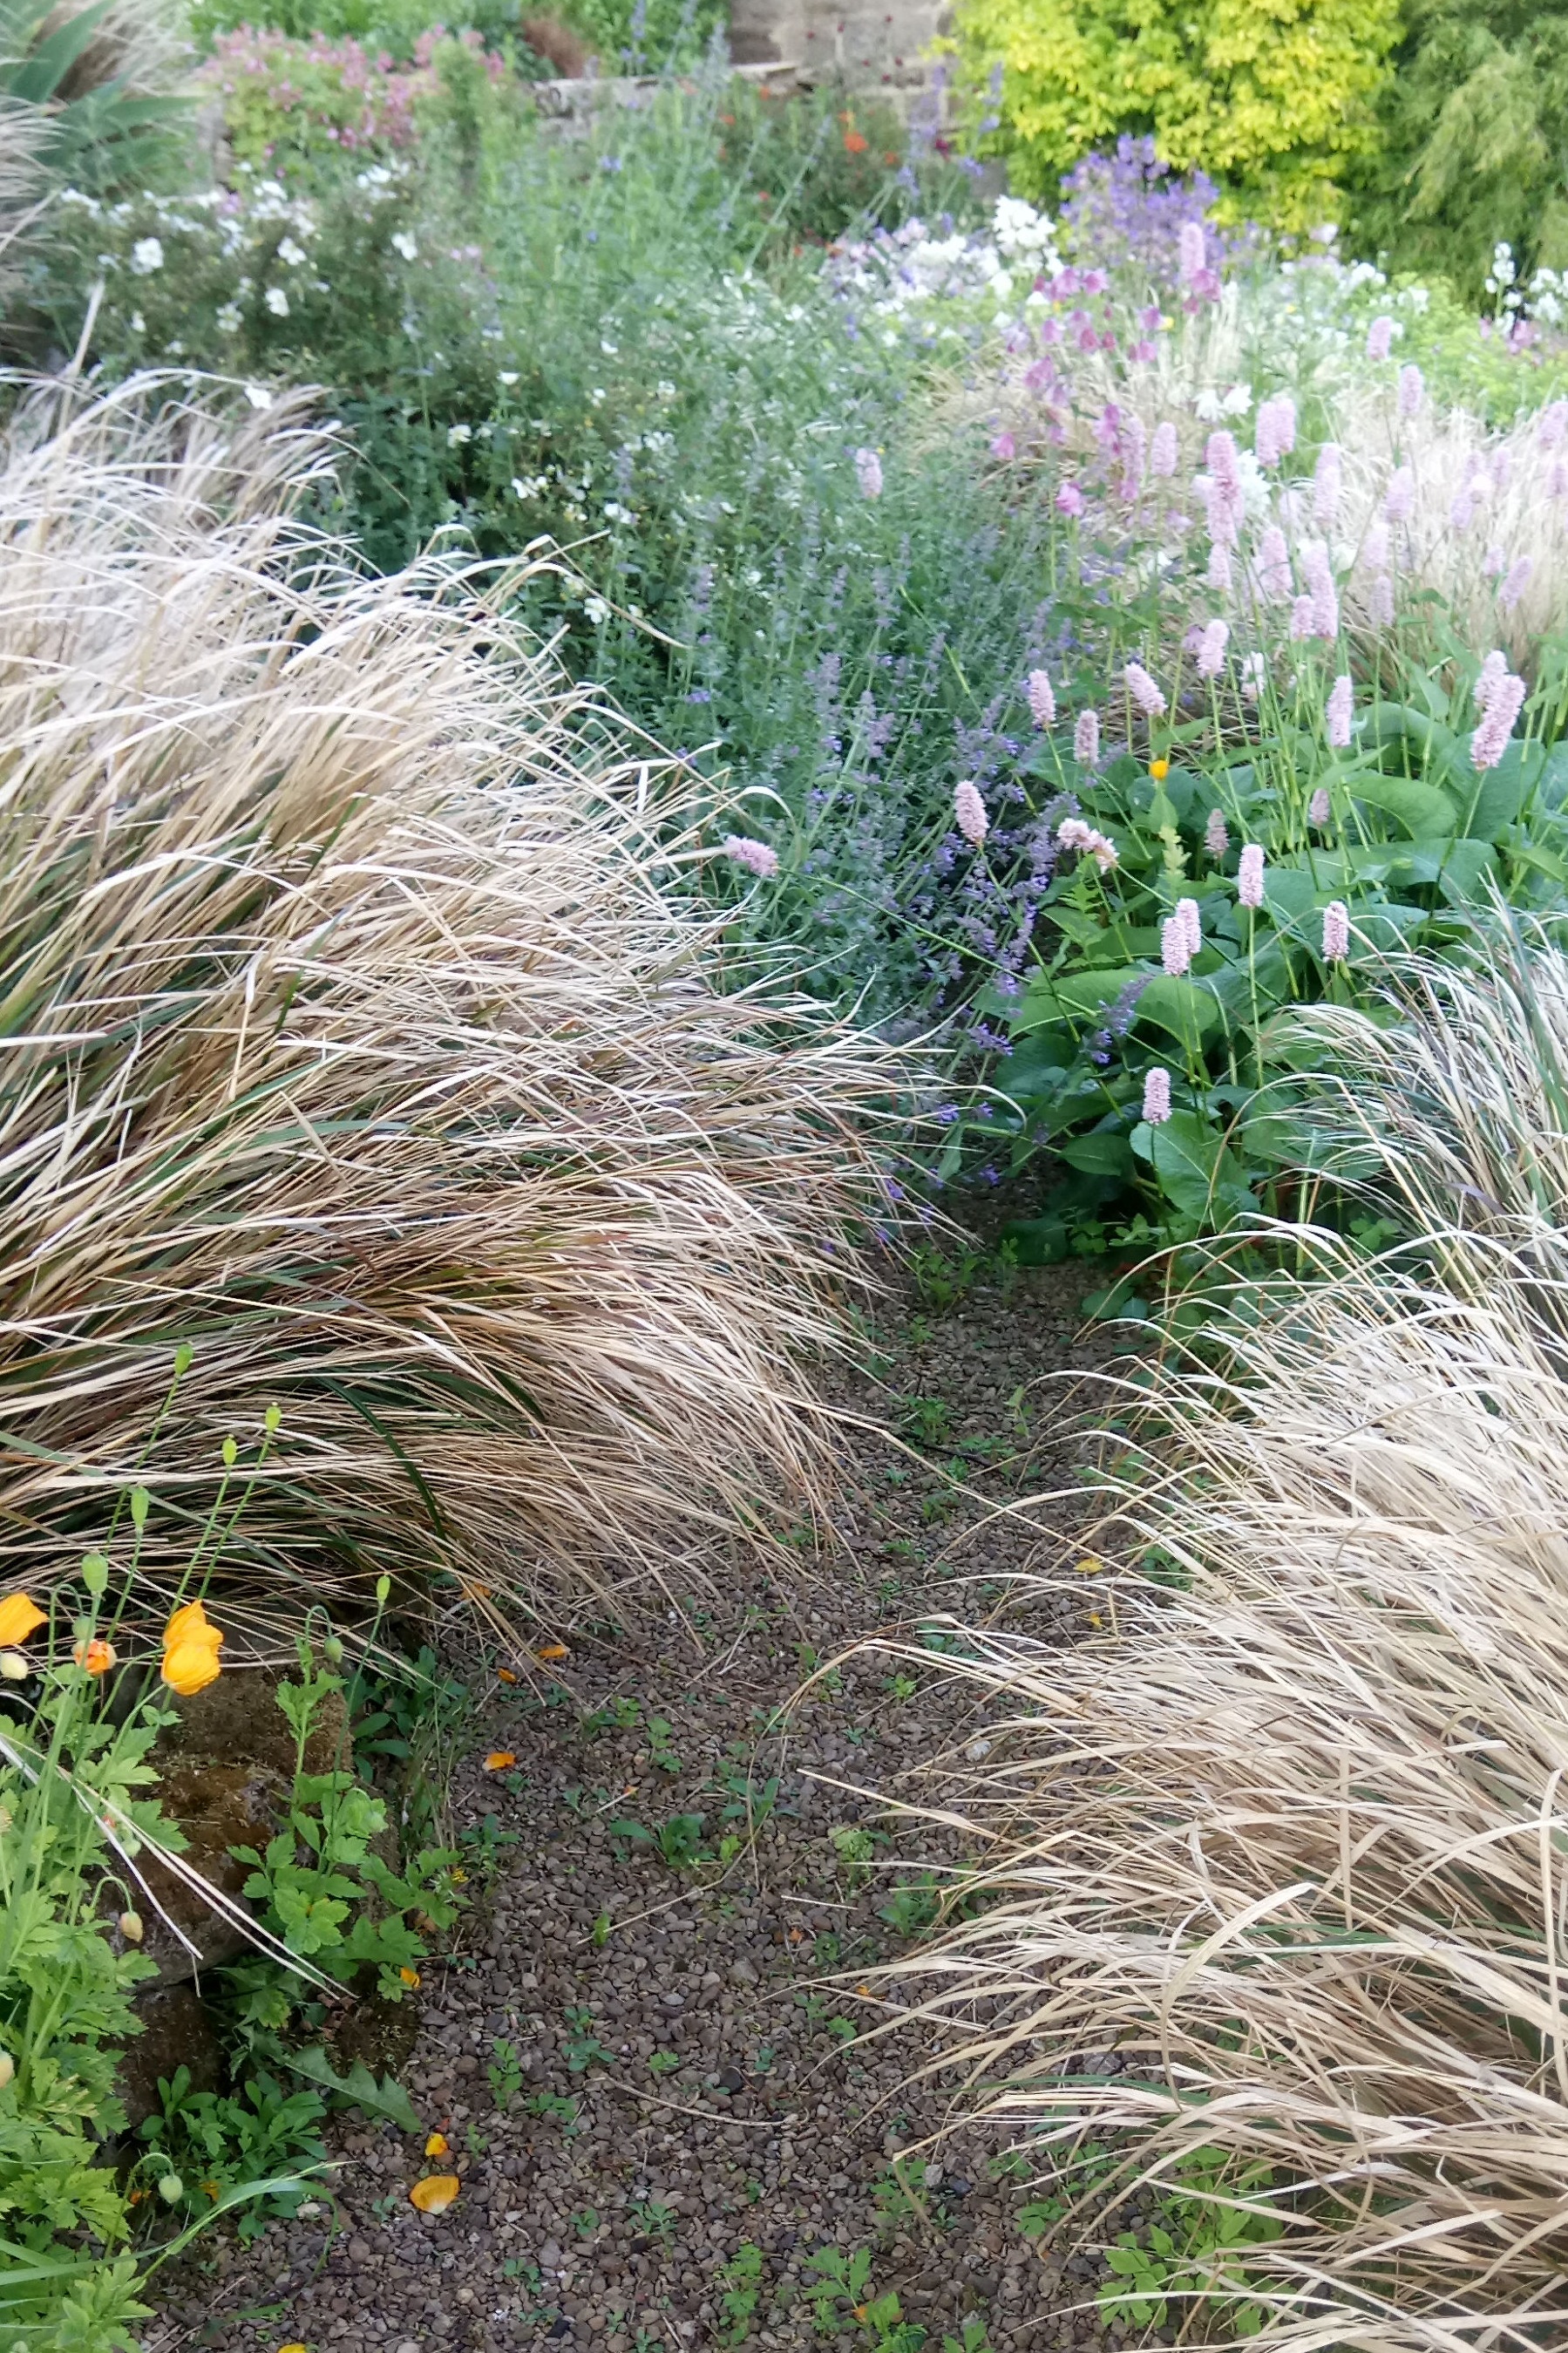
{"x": 101, "y": 125}
{"x": 1198, "y": 2250}
{"x": 742, "y": 2279}
{"x": 1276, "y": 102}
{"x": 203, "y": 2144}
{"x": 1473, "y": 132}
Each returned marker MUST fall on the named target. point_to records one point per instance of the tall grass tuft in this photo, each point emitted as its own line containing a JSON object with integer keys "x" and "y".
{"x": 354, "y": 1035}
{"x": 1279, "y": 1860}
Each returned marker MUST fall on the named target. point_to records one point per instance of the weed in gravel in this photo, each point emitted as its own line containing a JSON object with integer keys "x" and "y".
{"x": 742, "y": 2279}
{"x": 505, "y": 2073}
{"x": 581, "y": 2045}
{"x": 651, "y": 2220}
{"x": 677, "y": 1842}
{"x": 664, "y": 2063}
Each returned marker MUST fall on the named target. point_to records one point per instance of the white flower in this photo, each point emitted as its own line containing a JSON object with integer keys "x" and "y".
{"x": 290, "y": 254}
{"x": 404, "y": 244}
{"x": 259, "y": 396}
{"x": 138, "y": 323}
{"x": 228, "y": 319}
{"x": 1237, "y": 400}
{"x": 146, "y": 255}
{"x": 507, "y": 376}
{"x": 597, "y": 610}
{"x": 458, "y": 434}
{"x": 278, "y": 301}
{"x": 610, "y": 350}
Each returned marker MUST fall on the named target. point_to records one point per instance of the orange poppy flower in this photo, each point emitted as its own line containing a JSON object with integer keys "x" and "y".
{"x": 855, "y": 142}
{"x": 97, "y": 1656}
{"x": 19, "y": 1615}
{"x": 437, "y": 2145}
{"x": 434, "y": 2193}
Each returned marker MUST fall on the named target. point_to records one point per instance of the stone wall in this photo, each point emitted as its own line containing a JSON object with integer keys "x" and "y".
{"x": 868, "y": 48}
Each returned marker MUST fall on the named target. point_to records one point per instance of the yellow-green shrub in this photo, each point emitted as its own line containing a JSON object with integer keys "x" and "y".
{"x": 1272, "y": 97}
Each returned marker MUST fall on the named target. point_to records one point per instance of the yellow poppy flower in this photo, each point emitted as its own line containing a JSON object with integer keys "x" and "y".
{"x": 434, "y": 2193}
{"x": 190, "y": 1646}
{"x": 19, "y": 1614}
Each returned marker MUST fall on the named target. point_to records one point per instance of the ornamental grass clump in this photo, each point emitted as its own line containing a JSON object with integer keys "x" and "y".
{"x": 359, "y": 1041}
{"x": 1278, "y": 1862}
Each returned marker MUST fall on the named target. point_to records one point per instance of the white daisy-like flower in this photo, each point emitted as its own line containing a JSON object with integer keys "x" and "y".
{"x": 278, "y": 301}
{"x": 404, "y": 244}
{"x": 146, "y": 255}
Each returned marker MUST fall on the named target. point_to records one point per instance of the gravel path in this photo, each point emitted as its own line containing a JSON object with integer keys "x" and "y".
{"x": 652, "y": 2100}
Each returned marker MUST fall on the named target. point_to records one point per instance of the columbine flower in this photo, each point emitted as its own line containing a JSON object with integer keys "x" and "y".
{"x": 1144, "y": 690}
{"x": 1380, "y": 338}
{"x": 1190, "y": 916}
{"x": 1216, "y": 834}
{"x": 1162, "y": 450}
{"x": 868, "y": 473}
{"x": 276, "y": 301}
{"x": 1273, "y": 564}
{"x": 1336, "y": 931}
{"x": 1176, "y": 955}
{"x": 1326, "y": 481}
{"x": 1337, "y": 714}
{"x": 755, "y": 856}
{"x": 1412, "y": 391}
{"x": 1319, "y": 808}
{"x": 1041, "y": 698}
{"x": 969, "y": 811}
{"x": 1491, "y": 739}
{"x": 1249, "y": 876}
{"x": 1156, "y": 1096}
{"x": 1514, "y": 586}
{"x": 1086, "y": 739}
{"x": 146, "y": 255}
{"x": 1399, "y": 498}
{"x": 1210, "y": 648}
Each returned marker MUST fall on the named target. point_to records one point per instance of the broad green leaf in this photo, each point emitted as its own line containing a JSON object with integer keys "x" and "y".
{"x": 1197, "y": 1173}
{"x": 1103, "y": 1152}
{"x": 1419, "y": 808}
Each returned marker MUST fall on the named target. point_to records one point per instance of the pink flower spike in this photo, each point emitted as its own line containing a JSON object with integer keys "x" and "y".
{"x": 1319, "y": 579}
{"x": 1518, "y": 580}
{"x": 1219, "y": 576}
{"x": 1319, "y": 808}
{"x": 1210, "y": 648}
{"x": 1488, "y": 678}
{"x": 1156, "y": 1096}
{"x": 1162, "y": 450}
{"x": 1071, "y": 501}
{"x": 1193, "y": 251}
{"x": 1412, "y": 391}
{"x": 1399, "y": 498}
{"x": 1086, "y": 739}
{"x": 1273, "y": 564}
{"x": 1216, "y": 834}
{"x": 1374, "y": 546}
{"x": 1189, "y": 914}
{"x": 1382, "y": 602}
{"x": 1326, "y": 485}
{"x": 868, "y": 473}
{"x": 1222, "y": 459}
{"x": 1144, "y": 690}
{"x": 1337, "y": 714}
{"x": 1380, "y": 338}
{"x": 755, "y": 856}
{"x": 1336, "y": 931}
{"x": 1557, "y": 480}
{"x": 1490, "y": 740}
{"x": 1462, "y": 511}
{"x": 969, "y": 811}
{"x": 1041, "y": 699}
{"x": 1553, "y": 424}
{"x": 1176, "y": 955}
{"x": 1301, "y": 619}
{"x": 1249, "y": 876}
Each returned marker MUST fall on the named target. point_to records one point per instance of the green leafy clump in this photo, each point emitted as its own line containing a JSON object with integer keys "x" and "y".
{"x": 1275, "y": 102}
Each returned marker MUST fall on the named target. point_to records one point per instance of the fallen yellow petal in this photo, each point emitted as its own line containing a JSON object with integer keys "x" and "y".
{"x": 1091, "y": 1566}
{"x": 505, "y": 1675}
{"x": 434, "y": 2193}
{"x": 295, "y": 2348}
{"x": 498, "y": 1759}
{"x": 551, "y": 1650}
{"x": 410, "y": 1977}
{"x": 437, "y": 2145}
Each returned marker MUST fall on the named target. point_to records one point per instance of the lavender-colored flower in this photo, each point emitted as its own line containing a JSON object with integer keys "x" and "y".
{"x": 1071, "y": 501}
{"x": 1336, "y": 931}
{"x": 1216, "y": 834}
{"x": 1041, "y": 699}
{"x": 1380, "y": 338}
{"x": 1462, "y": 510}
{"x": 1162, "y": 450}
{"x": 1490, "y": 740}
{"x": 1273, "y": 564}
{"x": 1380, "y": 602}
{"x": 1320, "y": 577}
{"x": 1518, "y": 580}
{"x": 1223, "y": 460}
{"x": 1222, "y": 509}
{"x": 1144, "y": 690}
{"x": 868, "y": 473}
{"x": 1375, "y": 544}
{"x": 1194, "y": 251}
{"x": 1086, "y": 739}
{"x": 1301, "y": 627}
{"x": 1552, "y": 423}
{"x": 1399, "y": 498}
{"x": 1189, "y": 914}
{"x": 1494, "y": 562}
{"x": 755, "y": 856}
{"x": 1327, "y": 480}
{"x": 1337, "y": 713}
{"x": 1005, "y": 446}
{"x": 1275, "y": 434}
{"x": 969, "y": 810}
{"x": 1412, "y": 391}
{"x": 1219, "y": 576}
{"x": 1175, "y": 954}
{"x": 1156, "y": 1096}
{"x": 1249, "y": 876}
{"x": 1210, "y": 648}
{"x": 1557, "y": 479}
{"x": 1488, "y": 678}
{"x": 1319, "y": 809}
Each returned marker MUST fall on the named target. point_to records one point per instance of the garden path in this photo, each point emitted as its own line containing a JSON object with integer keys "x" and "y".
{"x": 632, "y": 2113}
